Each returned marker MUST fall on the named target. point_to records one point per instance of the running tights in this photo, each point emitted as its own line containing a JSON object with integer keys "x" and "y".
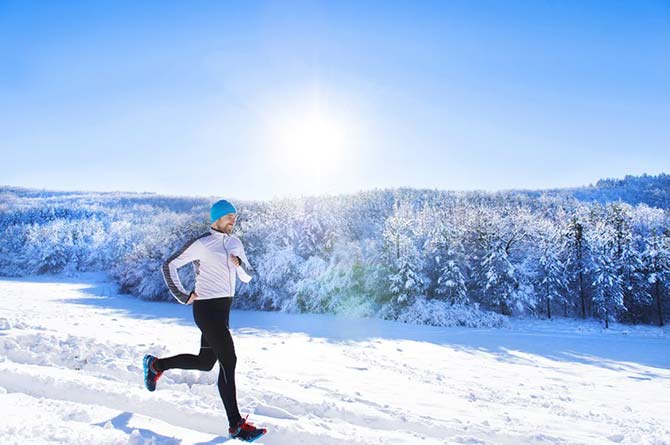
{"x": 216, "y": 343}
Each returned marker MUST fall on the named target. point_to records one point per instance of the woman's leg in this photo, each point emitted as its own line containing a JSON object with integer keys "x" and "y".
{"x": 212, "y": 317}
{"x": 204, "y": 361}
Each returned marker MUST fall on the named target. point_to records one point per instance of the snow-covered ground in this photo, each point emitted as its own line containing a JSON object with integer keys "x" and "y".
{"x": 70, "y": 372}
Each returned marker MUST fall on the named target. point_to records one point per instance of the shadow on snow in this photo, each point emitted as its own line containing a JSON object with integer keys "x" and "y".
{"x": 605, "y": 350}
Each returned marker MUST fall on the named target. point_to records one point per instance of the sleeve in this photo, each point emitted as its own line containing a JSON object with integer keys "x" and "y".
{"x": 188, "y": 253}
{"x": 244, "y": 270}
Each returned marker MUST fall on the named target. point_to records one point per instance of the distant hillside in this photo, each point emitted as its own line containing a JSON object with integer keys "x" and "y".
{"x": 645, "y": 189}
{"x": 648, "y": 189}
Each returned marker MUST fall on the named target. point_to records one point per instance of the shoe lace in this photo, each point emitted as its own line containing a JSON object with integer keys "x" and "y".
{"x": 153, "y": 369}
{"x": 246, "y": 425}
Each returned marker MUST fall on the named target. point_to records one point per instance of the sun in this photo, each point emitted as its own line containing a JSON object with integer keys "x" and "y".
{"x": 309, "y": 143}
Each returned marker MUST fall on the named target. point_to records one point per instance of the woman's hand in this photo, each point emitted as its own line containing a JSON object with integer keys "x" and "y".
{"x": 192, "y": 298}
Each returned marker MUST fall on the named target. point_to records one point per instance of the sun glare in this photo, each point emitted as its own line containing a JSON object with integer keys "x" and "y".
{"x": 310, "y": 143}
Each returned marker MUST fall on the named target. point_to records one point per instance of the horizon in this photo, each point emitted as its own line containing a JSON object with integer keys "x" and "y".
{"x": 233, "y": 98}
{"x": 325, "y": 195}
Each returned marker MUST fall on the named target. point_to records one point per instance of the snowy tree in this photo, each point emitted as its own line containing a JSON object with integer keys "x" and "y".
{"x": 51, "y": 247}
{"x": 451, "y": 282}
{"x": 13, "y": 251}
{"x": 335, "y": 286}
{"x": 447, "y": 256}
{"x": 552, "y": 273}
{"x": 277, "y": 272}
{"x": 308, "y": 292}
{"x": 607, "y": 278}
{"x": 406, "y": 282}
{"x": 656, "y": 255}
{"x": 578, "y": 258}
{"x": 497, "y": 239}
{"x": 313, "y": 234}
{"x": 501, "y": 282}
{"x": 627, "y": 255}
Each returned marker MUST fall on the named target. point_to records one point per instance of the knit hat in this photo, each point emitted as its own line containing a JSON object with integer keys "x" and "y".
{"x": 221, "y": 208}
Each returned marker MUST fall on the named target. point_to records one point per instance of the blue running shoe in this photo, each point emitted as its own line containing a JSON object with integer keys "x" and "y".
{"x": 151, "y": 376}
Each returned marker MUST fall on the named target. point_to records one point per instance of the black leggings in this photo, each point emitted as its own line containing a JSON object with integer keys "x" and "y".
{"x": 216, "y": 343}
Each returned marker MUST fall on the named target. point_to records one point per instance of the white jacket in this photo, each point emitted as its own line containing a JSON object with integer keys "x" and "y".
{"x": 215, "y": 271}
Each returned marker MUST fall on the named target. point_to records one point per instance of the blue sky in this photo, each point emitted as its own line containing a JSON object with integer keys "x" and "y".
{"x": 254, "y": 100}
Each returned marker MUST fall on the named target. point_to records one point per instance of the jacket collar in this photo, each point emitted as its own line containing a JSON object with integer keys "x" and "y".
{"x": 218, "y": 233}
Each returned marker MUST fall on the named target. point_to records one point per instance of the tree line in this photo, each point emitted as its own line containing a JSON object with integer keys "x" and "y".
{"x": 420, "y": 256}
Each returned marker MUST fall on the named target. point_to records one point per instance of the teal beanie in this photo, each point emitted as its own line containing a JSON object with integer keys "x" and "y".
{"x": 220, "y": 208}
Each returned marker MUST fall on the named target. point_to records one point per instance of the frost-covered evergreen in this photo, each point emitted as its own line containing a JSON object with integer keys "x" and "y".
{"x": 607, "y": 277}
{"x": 552, "y": 275}
{"x": 279, "y": 273}
{"x": 405, "y": 281}
{"x": 449, "y": 257}
{"x": 501, "y": 281}
{"x": 497, "y": 265}
{"x": 654, "y": 225}
{"x": 628, "y": 257}
{"x": 578, "y": 257}
{"x": 451, "y": 282}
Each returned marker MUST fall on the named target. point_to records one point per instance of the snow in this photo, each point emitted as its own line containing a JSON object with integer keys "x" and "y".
{"x": 70, "y": 373}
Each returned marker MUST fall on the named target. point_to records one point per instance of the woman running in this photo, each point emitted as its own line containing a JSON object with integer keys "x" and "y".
{"x": 219, "y": 258}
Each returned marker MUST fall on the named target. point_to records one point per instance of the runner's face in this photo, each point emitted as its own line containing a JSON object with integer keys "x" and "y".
{"x": 226, "y": 223}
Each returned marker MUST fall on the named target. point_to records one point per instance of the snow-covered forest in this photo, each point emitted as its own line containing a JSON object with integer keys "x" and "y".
{"x": 419, "y": 256}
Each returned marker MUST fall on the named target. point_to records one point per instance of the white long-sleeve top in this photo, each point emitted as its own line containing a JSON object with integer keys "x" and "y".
{"x": 215, "y": 271}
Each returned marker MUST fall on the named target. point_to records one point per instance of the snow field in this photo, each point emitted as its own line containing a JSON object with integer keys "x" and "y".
{"x": 70, "y": 372}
